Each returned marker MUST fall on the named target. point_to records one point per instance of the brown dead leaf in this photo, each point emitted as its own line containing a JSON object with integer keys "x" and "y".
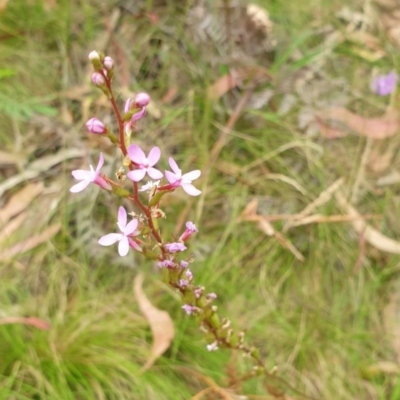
{"x": 30, "y": 243}
{"x": 160, "y": 323}
{"x": 222, "y": 86}
{"x": 32, "y": 321}
{"x": 12, "y": 226}
{"x": 374, "y": 128}
{"x": 372, "y": 235}
{"x": 250, "y": 214}
{"x": 3, "y": 6}
{"x": 380, "y": 161}
{"x": 250, "y": 76}
{"x": 20, "y": 201}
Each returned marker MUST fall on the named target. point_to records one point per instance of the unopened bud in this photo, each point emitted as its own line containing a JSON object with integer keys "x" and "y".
{"x": 142, "y": 99}
{"x": 98, "y": 79}
{"x": 127, "y": 106}
{"x": 108, "y": 63}
{"x": 94, "y": 55}
{"x": 94, "y": 125}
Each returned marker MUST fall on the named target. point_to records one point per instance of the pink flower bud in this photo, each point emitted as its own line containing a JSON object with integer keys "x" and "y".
{"x": 127, "y": 106}
{"x": 108, "y": 63}
{"x": 174, "y": 247}
{"x": 94, "y": 125}
{"x": 190, "y": 229}
{"x": 98, "y": 79}
{"x": 94, "y": 55}
{"x": 142, "y": 99}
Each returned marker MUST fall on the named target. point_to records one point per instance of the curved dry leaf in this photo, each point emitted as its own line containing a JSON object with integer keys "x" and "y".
{"x": 30, "y": 243}
{"x": 372, "y": 235}
{"x": 20, "y": 201}
{"x": 374, "y": 128}
{"x": 161, "y": 325}
{"x": 32, "y": 321}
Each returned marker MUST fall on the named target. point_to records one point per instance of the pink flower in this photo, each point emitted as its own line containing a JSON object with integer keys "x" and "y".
{"x": 143, "y": 163}
{"x": 94, "y": 125}
{"x": 176, "y": 178}
{"x": 92, "y": 176}
{"x": 189, "y": 309}
{"x": 123, "y": 238}
{"x": 174, "y": 247}
{"x": 141, "y": 101}
{"x": 166, "y": 264}
{"x": 384, "y": 84}
{"x": 98, "y": 79}
{"x": 190, "y": 229}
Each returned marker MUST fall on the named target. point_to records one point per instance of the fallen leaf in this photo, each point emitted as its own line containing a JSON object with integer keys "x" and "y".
{"x": 12, "y": 226}
{"x": 32, "y": 321}
{"x": 250, "y": 76}
{"x": 3, "y": 6}
{"x": 30, "y": 243}
{"x": 323, "y": 198}
{"x": 374, "y": 128}
{"x": 160, "y": 322}
{"x": 372, "y": 235}
{"x": 20, "y": 201}
{"x": 389, "y": 179}
{"x": 222, "y": 86}
{"x": 380, "y": 161}
{"x": 37, "y": 167}
{"x": 250, "y": 214}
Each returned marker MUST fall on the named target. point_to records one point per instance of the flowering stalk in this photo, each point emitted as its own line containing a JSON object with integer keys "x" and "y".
{"x": 141, "y": 233}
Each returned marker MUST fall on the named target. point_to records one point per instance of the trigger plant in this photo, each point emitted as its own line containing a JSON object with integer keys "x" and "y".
{"x": 143, "y": 233}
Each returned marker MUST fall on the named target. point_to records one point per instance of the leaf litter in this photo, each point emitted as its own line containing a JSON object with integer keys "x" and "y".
{"x": 161, "y": 325}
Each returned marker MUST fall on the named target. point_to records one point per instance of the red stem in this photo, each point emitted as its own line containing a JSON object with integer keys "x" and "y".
{"x": 122, "y": 146}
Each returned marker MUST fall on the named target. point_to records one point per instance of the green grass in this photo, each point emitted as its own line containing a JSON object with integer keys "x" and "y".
{"x": 319, "y": 321}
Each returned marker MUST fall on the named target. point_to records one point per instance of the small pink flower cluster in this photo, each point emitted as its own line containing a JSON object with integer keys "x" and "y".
{"x": 141, "y": 233}
{"x": 140, "y": 165}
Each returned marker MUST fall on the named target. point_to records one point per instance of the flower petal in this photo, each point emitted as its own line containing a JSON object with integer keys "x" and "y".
{"x": 190, "y": 189}
{"x": 136, "y": 175}
{"x": 102, "y": 183}
{"x": 192, "y": 175}
{"x": 122, "y": 218}
{"x": 174, "y": 166}
{"x": 111, "y": 238}
{"x": 79, "y": 186}
{"x": 154, "y": 156}
{"x": 81, "y": 174}
{"x": 154, "y": 173}
{"x": 136, "y": 154}
{"x": 171, "y": 177}
{"x": 123, "y": 246}
{"x": 131, "y": 227}
{"x": 100, "y": 163}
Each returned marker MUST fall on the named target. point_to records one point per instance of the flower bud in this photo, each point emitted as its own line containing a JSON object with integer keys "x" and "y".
{"x": 108, "y": 63}
{"x": 142, "y": 99}
{"x": 190, "y": 229}
{"x": 127, "y": 106}
{"x": 98, "y": 79}
{"x": 94, "y": 56}
{"x": 94, "y": 125}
